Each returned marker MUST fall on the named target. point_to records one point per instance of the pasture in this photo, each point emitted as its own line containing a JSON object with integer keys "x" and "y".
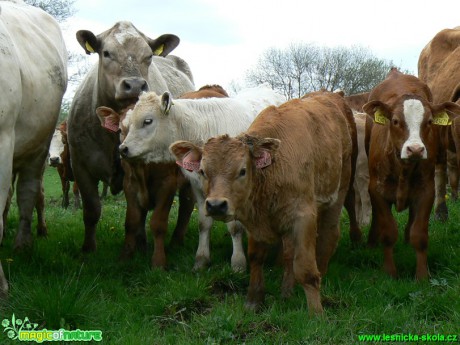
{"x": 56, "y": 286}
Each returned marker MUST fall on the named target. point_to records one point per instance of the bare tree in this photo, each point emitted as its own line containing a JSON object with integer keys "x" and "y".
{"x": 59, "y": 9}
{"x": 303, "y": 68}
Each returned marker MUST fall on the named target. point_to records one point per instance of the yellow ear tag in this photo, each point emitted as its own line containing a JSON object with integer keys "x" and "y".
{"x": 89, "y": 48}
{"x": 380, "y": 118}
{"x": 159, "y": 50}
{"x": 442, "y": 119}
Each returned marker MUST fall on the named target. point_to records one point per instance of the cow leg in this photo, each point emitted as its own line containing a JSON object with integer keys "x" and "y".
{"x": 383, "y": 227}
{"x": 203, "y": 256}
{"x": 27, "y": 192}
{"x": 238, "y": 261}
{"x": 257, "y": 254}
{"x": 350, "y": 204}
{"x": 91, "y": 207}
{"x": 42, "y": 230}
{"x": 305, "y": 268}
{"x": 186, "y": 205}
{"x": 7, "y": 205}
{"x": 6, "y": 173}
{"x": 419, "y": 235}
{"x": 3, "y": 283}
{"x": 134, "y": 224}
{"x": 65, "y": 186}
{"x": 159, "y": 224}
{"x": 288, "y": 259}
{"x": 440, "y": 178}
{"x": 452, "y": 169}
{"x": 76, "y": 195}
{"x": 328, "y": 236}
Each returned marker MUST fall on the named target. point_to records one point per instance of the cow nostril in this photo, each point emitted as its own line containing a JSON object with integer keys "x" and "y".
{"x": 217, "y": 207}
{"x": 127, "y": 86}
{"x": 123, "y": 149}
{"x": 145, "y": 87}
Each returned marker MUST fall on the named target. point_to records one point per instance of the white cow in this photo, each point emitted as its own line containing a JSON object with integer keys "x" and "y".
{"x": 33, "y": 80}
{"x": 158, "y": 121}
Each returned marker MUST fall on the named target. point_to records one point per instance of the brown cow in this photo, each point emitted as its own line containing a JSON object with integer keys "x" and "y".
{"x": 439, "y": 68}
{"x": 149, "y": 186}
{"x": 402, "y": 154}
{"x": 59, "y": 158}
{"x": 275, "y": 180}
{"x": 356, "y": 101}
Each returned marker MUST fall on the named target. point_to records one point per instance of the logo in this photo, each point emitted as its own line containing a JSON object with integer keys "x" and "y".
{"x": 24, "y": 330}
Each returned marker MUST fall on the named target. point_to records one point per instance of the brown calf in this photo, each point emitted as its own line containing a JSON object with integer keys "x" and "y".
{"x": 402, "y": 154}
{"x": 274, "y": 178}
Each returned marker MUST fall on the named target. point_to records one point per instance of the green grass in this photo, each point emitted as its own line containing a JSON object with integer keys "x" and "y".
{"x": 56, "y": 286}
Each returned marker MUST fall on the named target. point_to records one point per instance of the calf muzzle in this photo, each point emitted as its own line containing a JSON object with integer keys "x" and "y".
{"x": 216, "y": 207}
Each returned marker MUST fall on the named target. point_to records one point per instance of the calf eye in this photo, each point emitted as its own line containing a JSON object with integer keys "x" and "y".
{"x": 395, "y": 122}
{"x": 147, "y": 122}
{"x": 201, "y": 172}
{"x": 106, "y": 54}
{"x": 243, "y": 172}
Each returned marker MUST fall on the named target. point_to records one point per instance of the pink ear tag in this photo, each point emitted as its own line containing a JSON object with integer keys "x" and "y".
{"x": 264, "y": 160}
{"x": 188, "y": 164}
{"x": 111, "y": 124}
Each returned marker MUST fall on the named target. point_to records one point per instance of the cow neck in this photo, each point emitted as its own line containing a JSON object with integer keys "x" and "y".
{"x": 407, "y": 170}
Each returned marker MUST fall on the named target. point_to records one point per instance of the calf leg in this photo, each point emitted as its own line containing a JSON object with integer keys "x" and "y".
{"x": 328, "y": 236}
{"x": 452, "y": 169}
{"x": 3, "y": 283}
{"x": 257, "y": 254}
{"x": 441, "y": 212}
{"x": 238, "y": 261}
{"x": 76, "y": 195}
{"x": 350, "y": 204}
{"x": 383, "y": 227}
{"x": 202, "y": 257}
{"x": 186, "y": 205}
{"x": 134, "y": 224}
{"x": 419, "y": 237}
{"x": 305, "y": 268}
{"x": 288, "y": 260}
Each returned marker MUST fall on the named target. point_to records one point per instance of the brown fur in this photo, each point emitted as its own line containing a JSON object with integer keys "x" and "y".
{"x": 439, "y": 67}
{"x": 356, "y": 101}
{"x": 206, "y": 91}
{"x": 405, "y": 183}
{"x": 298, "y": 198}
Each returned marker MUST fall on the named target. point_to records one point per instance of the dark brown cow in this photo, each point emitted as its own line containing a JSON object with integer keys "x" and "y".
{"x": 439, "y": 68}
{"x": 402, "y": 154}
{"x": 275, "y": 180}
{"x": 206, "y": 91}
{"x": 59, "y": 158}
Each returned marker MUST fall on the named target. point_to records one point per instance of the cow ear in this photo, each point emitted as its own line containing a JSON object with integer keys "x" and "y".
{"x": 163, "y": 45}
{"x": 166, "y": 102}
{"x": 264, "y": 151}
{"x": 445, "y": 113}
{"x": 188, "y": 155}
{"x": 110, "y": 119}
{"x": 378, "y": 111}
{"x": 88, "y": 41}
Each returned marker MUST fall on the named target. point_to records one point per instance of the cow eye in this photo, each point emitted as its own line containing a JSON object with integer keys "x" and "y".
{"x": 395, "y": 122}
{"x": 243, "y": 172}
{"x": 106, "y": 54}
{"x": 149, "y": 58}
{"x": 147, "y": 122}
{"x": 202, "y": 173}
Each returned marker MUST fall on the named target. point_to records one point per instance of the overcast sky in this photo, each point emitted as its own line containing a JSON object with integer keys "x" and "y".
{"x": 221, "y": 40}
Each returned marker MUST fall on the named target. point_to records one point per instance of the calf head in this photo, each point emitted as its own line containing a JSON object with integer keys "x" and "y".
{"x": 229, "y": 168}
{"x": 151, "y": 128}
{"x": 125, "y": 55}
{"x": 56, "y": 148}
{"x": 411, "y": 121}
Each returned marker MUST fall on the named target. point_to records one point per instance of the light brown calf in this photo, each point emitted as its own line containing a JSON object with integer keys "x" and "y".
{"x": 274, "y": 178}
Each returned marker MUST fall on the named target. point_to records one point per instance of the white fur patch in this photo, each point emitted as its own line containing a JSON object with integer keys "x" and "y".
{"x": 413, "y": 113}
{"x": 56, "y": 146}
{"x": 126, "y": 31}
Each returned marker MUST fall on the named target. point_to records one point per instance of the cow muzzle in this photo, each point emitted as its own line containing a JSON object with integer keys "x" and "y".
{"x": 414, "y": 152}
{"x": 129, "y": 89}
{"x": 218, "y": 208}
{"x": 54, "y": 161}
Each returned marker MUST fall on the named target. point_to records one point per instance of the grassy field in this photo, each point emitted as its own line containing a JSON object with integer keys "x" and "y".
{"x": 56, "y": 286}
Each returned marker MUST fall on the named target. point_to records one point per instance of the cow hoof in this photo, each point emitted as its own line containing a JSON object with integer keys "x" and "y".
{"x": 23, "y": 242}
{"x": 252, "y": 306}
{"x": 441, "y": 213}
{"x": 159, "y": 263}
{"x": 89, "y": 247}
{"x": 42, "y": 232}
{"x": 201, "y": 263}
{"x": 126, "y": 254}
{"x": 356, "y": 237}
{"x": 239, "y": 263}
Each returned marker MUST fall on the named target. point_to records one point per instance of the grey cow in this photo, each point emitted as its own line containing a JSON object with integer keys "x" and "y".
{"x": 129, "y": 63}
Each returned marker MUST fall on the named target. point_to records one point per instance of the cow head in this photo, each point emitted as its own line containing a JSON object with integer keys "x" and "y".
{"x": 229, "y": 168}
{"x": 411, "y": 121}
{"x": 151, "y": 127}
{"x": 56, "y": 148}
{"x": 113, "y": 121}
{"x": 125, "y": 55}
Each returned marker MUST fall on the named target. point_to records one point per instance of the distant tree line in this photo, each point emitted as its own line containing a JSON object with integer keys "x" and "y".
{"x": 302, "y": 68}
